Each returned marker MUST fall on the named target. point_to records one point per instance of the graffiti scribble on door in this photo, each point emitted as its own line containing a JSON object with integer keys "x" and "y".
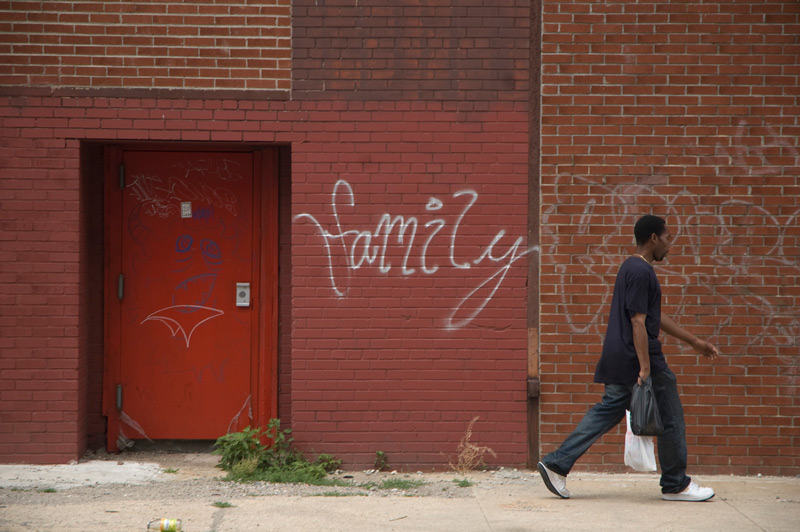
{"x": 190, "y": 298}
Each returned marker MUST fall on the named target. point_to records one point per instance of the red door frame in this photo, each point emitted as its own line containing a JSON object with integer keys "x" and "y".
{"x": 264, "y": 349}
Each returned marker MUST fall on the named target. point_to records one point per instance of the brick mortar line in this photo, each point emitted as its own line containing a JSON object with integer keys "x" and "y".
{"x": 174, "y": 2}
{"x": 172, "y": 24}
{"x": 145, "y": 92}
{"x": 127, "y": 56}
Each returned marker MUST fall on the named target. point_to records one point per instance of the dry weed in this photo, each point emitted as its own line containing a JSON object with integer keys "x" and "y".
{"x": 468, "y": 455}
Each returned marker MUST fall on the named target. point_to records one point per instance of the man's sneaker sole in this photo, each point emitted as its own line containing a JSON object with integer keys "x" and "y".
{"x": 546, "y": 477}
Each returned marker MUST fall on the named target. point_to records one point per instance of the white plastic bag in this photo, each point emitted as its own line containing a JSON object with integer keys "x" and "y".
{"x": 639, "y": 453}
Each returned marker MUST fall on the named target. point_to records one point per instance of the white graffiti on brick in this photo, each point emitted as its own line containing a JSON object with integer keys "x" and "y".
{"x": 716, "y": 230}
{"x": 739, "y": 152}
{"x": 367, "y": 246}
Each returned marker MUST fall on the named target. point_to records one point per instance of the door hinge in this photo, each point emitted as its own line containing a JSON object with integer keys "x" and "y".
{"x": 121, "y": 176}
{"x": 120, "y": 287}
{"x": 119, "y": 397}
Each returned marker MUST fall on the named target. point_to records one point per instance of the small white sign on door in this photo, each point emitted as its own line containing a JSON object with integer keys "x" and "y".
{"x": 186, "y": 209}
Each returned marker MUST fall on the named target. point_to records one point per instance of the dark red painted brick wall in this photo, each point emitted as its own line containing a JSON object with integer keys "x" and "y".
{"x": 403, "y": 356}
{"x": 385, "y": 366}
{"x": 411, "y": 50}
{"x": 397, "y": 343}
{"x": 688, "y": 110}
{"x": 425, "y": 119}
{"x": 400, "y": 339}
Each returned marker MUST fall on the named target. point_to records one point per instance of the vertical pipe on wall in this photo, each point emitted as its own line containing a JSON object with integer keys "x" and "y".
{"x": 534, "y": 174}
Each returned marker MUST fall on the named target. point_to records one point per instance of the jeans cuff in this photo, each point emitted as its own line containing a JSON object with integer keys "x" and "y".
{"x": 673, "y": 490}
{"x": 556, "y": 469}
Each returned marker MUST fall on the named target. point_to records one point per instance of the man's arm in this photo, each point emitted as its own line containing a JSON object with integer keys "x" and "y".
{"x": 706, "y": 349}
{"x": 641, "y": 344}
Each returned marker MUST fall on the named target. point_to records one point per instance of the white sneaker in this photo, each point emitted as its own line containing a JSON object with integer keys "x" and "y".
{"x": 693, "y": 493}
{"x": 555, "y": 483}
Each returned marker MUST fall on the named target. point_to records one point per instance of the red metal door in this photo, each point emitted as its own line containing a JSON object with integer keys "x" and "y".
{"x": 183, "y": 341}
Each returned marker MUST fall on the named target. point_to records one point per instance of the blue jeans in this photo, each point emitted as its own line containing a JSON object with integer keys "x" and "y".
{"x": 607, "y": 414}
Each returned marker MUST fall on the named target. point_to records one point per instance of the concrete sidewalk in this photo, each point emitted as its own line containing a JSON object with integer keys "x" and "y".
{"x": 125, "y": 495}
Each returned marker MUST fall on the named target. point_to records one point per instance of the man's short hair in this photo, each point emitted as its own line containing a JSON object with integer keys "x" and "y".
{"x": 646, "y": 226}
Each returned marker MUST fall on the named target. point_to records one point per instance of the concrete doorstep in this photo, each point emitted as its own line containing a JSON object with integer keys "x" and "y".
{"x": 124, "y": 494}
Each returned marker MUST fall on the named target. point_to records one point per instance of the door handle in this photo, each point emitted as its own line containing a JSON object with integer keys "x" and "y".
{"x": 242, "y": 294}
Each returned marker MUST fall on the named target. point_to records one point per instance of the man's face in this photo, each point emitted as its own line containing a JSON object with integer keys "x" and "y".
{"x": 662, "y": 245}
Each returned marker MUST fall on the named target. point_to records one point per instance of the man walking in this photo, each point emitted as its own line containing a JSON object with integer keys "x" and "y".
{"x": 631, "y": 353}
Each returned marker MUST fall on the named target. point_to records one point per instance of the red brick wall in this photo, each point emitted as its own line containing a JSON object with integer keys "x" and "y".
{"x": 402, "y": 357}
{"x": 40, "y": 293}
{"x": 425, "y": 105}
{"x": 411, "y": 50}
{"x": 124, "y": 44}
{"x": 687, "y": 110}
{"x": 400, "y": 353}
{"x": 396, "y": 345}
{"x": 379, "y": 368}
{"x": 690, "y": 111}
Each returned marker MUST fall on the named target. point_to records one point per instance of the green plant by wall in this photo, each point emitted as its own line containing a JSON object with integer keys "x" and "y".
{"x": 238, "y": 446}
{"x": 247, "y": 459}
{"x": 381, "y": 462}
{"x": 328, "y": 462}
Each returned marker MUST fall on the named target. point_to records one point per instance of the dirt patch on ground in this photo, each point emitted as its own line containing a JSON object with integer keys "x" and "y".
{"x": 154, "y": 474}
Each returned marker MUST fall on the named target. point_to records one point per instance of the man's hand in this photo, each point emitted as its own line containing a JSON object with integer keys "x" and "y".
{"x": 707, "y": 349}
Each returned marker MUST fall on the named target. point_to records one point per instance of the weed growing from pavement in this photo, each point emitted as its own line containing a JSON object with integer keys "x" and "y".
{"x": 381, "y": 462}
{"x": 237, "y": 447}
{"x": 340, "y": 494}
{"x": 400, "y": 484}
{"x": 247, "y": 459}
{"x": 468, "y": 455}
{"x": 222, "y": 504}
{"x": 463, "y": 483}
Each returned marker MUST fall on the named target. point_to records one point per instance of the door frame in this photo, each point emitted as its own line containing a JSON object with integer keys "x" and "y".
{"x": 264, "y": 341}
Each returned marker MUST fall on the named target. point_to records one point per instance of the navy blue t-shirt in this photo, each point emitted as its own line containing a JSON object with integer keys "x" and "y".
{"x": 636, "y": 291}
